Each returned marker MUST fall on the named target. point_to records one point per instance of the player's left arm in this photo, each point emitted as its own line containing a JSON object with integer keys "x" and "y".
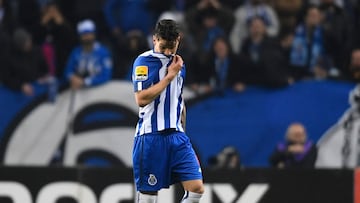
{"x": 147, "y": 92}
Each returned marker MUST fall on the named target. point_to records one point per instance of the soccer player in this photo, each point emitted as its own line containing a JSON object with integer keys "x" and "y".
{"x": 163, "y": 154}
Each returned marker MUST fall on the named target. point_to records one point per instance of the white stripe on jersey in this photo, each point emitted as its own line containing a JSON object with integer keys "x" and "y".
{"x": 180, "y": 127}
{"x": 147, "y": 128}
{"x": 174, "y": 101}
{"x": 161, "y": 111}
{"x": 139, "y": 84}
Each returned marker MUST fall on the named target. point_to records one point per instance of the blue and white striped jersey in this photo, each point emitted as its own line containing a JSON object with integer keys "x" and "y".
{"x": 165, "y": 111}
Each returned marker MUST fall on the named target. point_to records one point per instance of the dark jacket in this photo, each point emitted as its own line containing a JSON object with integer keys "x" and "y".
{"x": 264, "y": 64}
{"x": 62, "y": 38}
{"x": 24, "y": 67}
{"x": 290, "y": 160}
{"x": 338, "y": 35}
{"x": 8, "y": 23}
{"x": 5, "y": 47}
{"x": 204, "y": 37}
{"x": 207, "y": 71}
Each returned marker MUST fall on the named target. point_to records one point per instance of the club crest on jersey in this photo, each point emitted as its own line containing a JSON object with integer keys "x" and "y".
{"x": 152, "y": 180}
{"x": 141, "y": 73}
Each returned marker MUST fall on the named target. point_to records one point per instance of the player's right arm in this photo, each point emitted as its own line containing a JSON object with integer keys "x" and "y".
{"x": 147, "y": 94}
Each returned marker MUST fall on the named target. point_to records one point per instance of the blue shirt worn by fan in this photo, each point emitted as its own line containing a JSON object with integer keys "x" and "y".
{"x": 94, "y": 66}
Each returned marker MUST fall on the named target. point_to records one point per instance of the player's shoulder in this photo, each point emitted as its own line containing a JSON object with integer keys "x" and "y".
{"x": 146, "y": 53}
{"x": 151, "y": 54}
{"x": 147, "y": 58}
{"x": 144, "y": 57}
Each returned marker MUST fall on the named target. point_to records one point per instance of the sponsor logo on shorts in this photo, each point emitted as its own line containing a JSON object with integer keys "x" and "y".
{"x": 152, "y": 179}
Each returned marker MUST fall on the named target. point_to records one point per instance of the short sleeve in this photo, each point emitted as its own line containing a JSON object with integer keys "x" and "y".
{"x": 145, "y": 72}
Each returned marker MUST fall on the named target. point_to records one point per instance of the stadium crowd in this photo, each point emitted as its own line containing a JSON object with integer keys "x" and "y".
{"x": 225, "y": 43}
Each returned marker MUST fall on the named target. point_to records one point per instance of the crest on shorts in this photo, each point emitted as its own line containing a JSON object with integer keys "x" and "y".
{"x": 152, "y": 179}
{"x": 141, "y": 73}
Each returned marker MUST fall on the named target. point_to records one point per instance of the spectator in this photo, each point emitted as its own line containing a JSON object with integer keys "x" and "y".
{"x": 337, "y": 30}
{"x": 262, "y": 60}
{"x": 357, "y": 24}
{"x": 233, "y": 4}
{"x": 5, "y": 48}
{"x": 29, "y": 15}
{"x": 26, "y": 64}
{"x": 228, "y": 3}
{"x": 78, "y": 10}
{"x": 296, "y": 151}
{"x": 208, "y": 20}
{"x": 7, "y": 24}
{"x": 245, "y": 13}
{"x": 286, "y": 37}
{"x": 174, "y": 12}
{"x": 307, "y": 55}
{"x": 160, "y": 6}
{"x": 288, "y": 11}
{"x": 221, "y": 70}
{"x": 228, "y": 158}
{"x": 339, "y": 3}
{"x": 120, "y": 16}
{"x": 7, "y": 21}
{"x": 355, "y": 64}
{"x": 133, "y": 45}
{"x": 56, "y": 37}
{"x": 125, "y": 28}
{"x": 89, "y": 64}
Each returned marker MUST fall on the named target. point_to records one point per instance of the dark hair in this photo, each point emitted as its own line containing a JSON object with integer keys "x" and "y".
{"x": 220, "y": 38}
{"x": 169, "y": 31}
{"x": 310, "y": 7}
{"x": 256, "y": 17}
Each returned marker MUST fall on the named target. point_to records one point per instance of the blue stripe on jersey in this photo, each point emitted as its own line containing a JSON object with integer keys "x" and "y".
{"x": 140, "y": 122}
{"x": 167, "y": 107}
{"x": 167, "y": 101}
{"x": 178, "y": 113}
{"x": 180, "y": 99}
{"x": 154, "y": 125}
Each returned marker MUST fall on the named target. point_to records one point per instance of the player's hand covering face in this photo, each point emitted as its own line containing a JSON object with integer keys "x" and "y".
{"x": 175, "y": 66}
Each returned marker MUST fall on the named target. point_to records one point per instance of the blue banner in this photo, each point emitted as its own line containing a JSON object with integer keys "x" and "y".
{"x": 36, "y": 132}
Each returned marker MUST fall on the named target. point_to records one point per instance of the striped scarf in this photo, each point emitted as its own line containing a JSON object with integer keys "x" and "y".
{"x": 307, "y": 49}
